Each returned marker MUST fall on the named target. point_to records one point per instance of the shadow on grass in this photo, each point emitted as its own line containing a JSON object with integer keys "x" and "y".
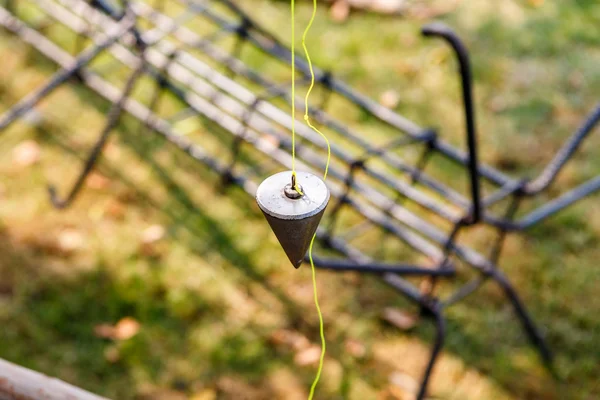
{"x": 50, "y": 322}
{"x": 99, "y": 298}
{"x": 186, "y": 213}
{"x": 467, "y": 338}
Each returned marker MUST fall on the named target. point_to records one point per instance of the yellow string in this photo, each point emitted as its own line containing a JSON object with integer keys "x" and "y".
{"x": 293, "y": 51}
{"x": 308, "y": 122}
{"x": 321, "y": 330}
{"x": 310, "y": 88}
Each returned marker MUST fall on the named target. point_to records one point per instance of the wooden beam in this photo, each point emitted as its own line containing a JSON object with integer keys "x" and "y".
{"x": 18, "y": 383}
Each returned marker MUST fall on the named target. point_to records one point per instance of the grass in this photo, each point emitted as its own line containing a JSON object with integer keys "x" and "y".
{"x": 215, "y": 296}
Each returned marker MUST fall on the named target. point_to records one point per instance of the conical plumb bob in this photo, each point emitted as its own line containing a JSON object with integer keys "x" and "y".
{"x": 293, "y": 215}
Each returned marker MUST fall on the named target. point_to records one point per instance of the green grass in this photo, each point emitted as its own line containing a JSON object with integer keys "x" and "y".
{"x": 213, "y": 295}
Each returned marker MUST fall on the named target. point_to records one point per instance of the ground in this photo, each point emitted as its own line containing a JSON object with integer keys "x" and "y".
{"x": 210, "y": 308}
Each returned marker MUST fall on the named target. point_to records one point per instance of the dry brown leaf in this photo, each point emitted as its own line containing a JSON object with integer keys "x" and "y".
{"x": 105, "y": 331}
{"x": 115, "y": 209}
{"x": 576, "y": 79}
{"x": 279, "y": 337}
{"x": 426, "y": 286}
{"x": 386, "y": 6}
{"x": 153, "y": 234}
{"x": 111, "y": 151}
{"x": 396, "y": 393}
{"x": 269, "y": 141}
{"x": 404, "y": 381}
{"x": 112, "y": 354}
{"x": 164, "y": 394}
{"x": 232, "y": 387}
{"x": 426, "y": 11}
{"x": 391, "y": 393}
{"x": 97, "y": 181}
{"x": 206, "y": 394}
{"x": 290, "y": 338}
{"x": 355, "y": 348}
{"x": 126, "y": 328}
{"x": 385, "y": 395}
{"x": 308, "y": 356}
{"x": 378, "y": 6}
{"x": 70, "y": 240}
{"x": 401, "y": 319}
{"x": 390, "y": 98}
{"x": 497, "y": 104}
{"x": 151, "y": 250}
{"x": 339, "y": 11}
{"x": 26, "y": 153}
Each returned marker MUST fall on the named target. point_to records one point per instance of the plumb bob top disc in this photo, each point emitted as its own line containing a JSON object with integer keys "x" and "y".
{"x": 293, "y": 215}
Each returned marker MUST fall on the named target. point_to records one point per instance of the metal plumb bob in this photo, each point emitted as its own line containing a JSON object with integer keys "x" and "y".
{"x": 293, "y": 210}
{"x": 168, "y": 52}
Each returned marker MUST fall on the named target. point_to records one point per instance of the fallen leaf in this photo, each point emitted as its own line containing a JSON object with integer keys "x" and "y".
{"x": 339, "y": 11}
{"x": 576, "y": 79}
{"x": 126, "y": 328}
{"x": 403, "y": 381}
{"x": 390, "y": 99}
{"x": 206, "y": 394}
{"x": 424, "y": 11}
{"x": 151, "y": 250}
{"x": 352, "y": 278}
{"x": 26, "y": 153}
{"x": 386, "y": 6}
{"x": 128, "y": 195}
{"x": 408, "y": 39}
{"x": 115, "y": 209}
{"x": 355, "y": 348}
{"x": 153, "y": 234}
{"x": 269, "y": 141}
{"x": 104, "y": 331}
{"x": 70, "y": 240}
{"x": 426, "y": 286}
{"x": 396, "y": 393}
{"x": 111, "y": 354}
{"x": 111, "y": 151}
{"x": 230, "y": 387}
{"x": 164, "y": 394}
{"x": 290, "y": 338}
{"x": 400, "y": 319}
{"x": 308, "y": 356}
{"x": 97, "y": 181}
{"x": 498, "y": 104}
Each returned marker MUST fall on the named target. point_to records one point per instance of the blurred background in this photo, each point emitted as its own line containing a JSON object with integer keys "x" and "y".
{"x": 159, "y": 284}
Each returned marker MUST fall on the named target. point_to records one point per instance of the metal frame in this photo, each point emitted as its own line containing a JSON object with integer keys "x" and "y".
{"x": 214, "y": 83}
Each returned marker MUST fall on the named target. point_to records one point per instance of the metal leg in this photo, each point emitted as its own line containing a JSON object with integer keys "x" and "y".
{"x": 112, "y": 120}
{"x": 535, "y": 336}
{"x": 430, "y": 307}
{"x": 441, "y": 30}
{"x": 440, "y": 326}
